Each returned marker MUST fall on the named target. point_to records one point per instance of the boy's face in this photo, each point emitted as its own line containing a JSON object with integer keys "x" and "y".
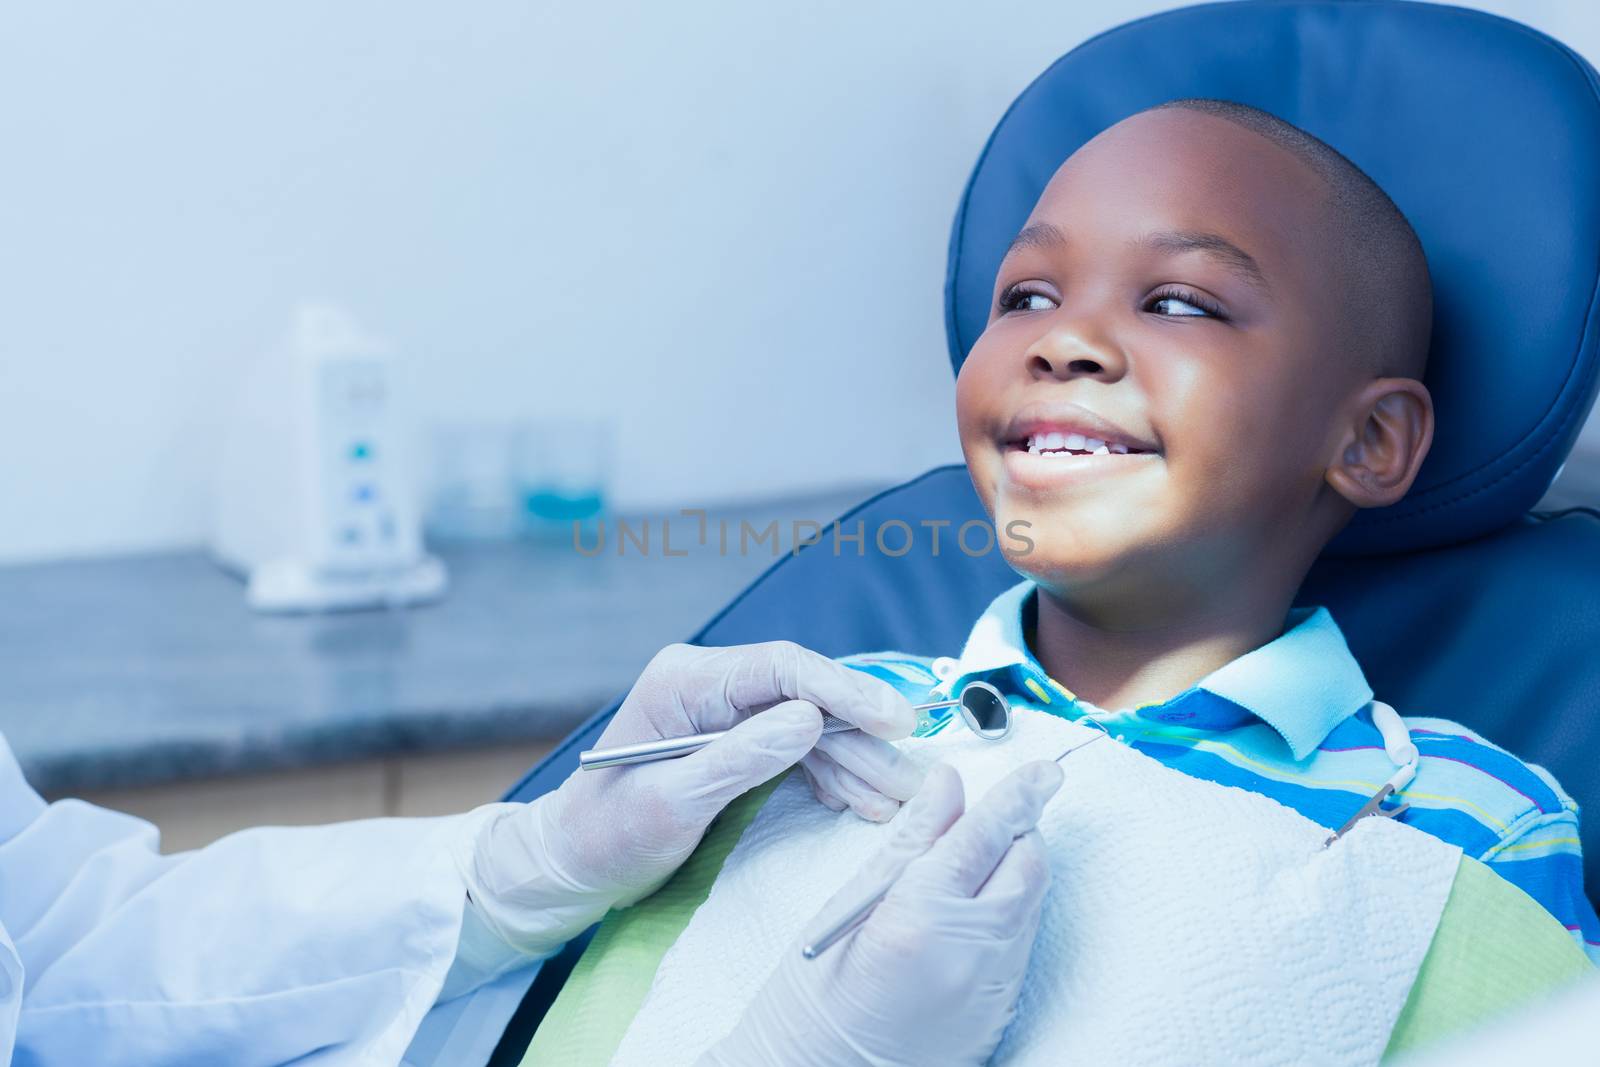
{"x": 1170, "y": 297}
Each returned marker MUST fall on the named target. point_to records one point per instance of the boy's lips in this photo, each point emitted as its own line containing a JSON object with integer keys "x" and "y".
{"x": 1071, "y": 428}
{"x": 1051, "y": 446}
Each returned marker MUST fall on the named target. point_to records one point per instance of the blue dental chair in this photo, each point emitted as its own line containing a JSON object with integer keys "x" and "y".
{"x": 1457, "y": 601}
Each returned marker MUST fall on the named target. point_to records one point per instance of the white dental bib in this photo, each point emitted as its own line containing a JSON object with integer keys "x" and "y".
{"x": 1187, "y": 923}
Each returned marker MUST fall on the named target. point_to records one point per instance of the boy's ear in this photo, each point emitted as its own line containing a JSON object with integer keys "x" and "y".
{"x": 1385, "y": 441}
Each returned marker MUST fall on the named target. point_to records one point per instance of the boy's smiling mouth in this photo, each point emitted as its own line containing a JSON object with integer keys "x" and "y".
{"x": 1072, "y": 443}
{"x": 1046, "y": 446}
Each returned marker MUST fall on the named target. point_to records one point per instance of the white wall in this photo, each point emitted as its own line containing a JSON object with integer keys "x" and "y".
{"x": 724, "y": 222}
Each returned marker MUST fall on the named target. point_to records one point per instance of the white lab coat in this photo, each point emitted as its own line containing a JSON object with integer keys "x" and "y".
{"x": 316, "y": 945}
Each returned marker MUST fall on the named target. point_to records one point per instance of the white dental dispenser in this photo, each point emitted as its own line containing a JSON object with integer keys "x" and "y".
{"x": 313, "y": 501}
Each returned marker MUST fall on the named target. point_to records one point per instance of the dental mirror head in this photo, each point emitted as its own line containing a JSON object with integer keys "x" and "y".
{"x": 986, "y": 712}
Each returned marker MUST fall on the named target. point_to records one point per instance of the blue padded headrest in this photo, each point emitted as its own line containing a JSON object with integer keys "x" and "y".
{"x": 1483, "y": 131}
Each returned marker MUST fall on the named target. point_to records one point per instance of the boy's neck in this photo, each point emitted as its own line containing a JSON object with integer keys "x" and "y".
{"x": 1116, "y": 668}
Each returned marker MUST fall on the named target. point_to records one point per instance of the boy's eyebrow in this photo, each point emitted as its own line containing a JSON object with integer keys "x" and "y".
{"x": 1039, "y": 235}
{"x": 1046, "y": 235}
{"x": 1214, "y": 245}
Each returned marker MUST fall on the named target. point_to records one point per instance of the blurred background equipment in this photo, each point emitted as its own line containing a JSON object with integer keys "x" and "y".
{"x": 312, "y": 503}
{"x": 496, "y": 480}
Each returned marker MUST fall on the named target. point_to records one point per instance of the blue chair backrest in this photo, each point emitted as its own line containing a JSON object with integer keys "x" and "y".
{"x": 1456, "y": 601}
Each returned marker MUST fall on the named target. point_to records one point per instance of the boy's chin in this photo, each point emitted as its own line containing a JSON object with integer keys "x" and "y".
{"x": 1094, "y": 528}
{"x": 1065, "y": 562}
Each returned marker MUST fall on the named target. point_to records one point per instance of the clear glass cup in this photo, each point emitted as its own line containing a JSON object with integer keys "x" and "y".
{"x": 473, "y": 495}
{"x": 561, "y": 468}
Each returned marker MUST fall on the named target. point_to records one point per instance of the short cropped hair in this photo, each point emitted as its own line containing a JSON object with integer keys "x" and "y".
{"x": 1385, "y": 272}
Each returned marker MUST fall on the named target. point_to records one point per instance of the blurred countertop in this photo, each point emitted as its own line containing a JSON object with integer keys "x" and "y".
{"x": 148, "y": 669}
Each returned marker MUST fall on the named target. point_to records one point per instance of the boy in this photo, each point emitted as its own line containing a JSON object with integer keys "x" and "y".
{"x": 1203, "y": 356}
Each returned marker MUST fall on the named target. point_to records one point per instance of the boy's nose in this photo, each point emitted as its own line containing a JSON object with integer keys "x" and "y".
{"x": 1074, "y": 351}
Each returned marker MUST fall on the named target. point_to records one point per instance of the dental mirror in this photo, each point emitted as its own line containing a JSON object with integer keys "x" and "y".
{"x": 983, "y": 708}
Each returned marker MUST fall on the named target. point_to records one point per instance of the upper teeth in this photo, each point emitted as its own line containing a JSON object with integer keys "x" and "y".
{"x": 1055, "y": 441}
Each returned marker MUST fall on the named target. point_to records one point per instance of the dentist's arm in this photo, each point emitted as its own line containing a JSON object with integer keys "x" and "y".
{"x": 331, "y": 942}
{"x": 322, "y": 944}
{"x": 932, "y": 976}
{"x": 537, "y": 874}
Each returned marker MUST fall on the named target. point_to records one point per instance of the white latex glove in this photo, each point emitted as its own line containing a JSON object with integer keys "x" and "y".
{"x": 932, "y": 976}
{"x": 538, "y": 874}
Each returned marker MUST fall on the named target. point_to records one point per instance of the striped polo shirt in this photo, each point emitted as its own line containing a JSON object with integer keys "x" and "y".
{"x": 1293, "y": 720}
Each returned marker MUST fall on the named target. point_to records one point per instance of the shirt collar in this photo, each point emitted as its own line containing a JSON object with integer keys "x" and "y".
{"x": 1302, "y": 683}
{"x": 996, "y": 640}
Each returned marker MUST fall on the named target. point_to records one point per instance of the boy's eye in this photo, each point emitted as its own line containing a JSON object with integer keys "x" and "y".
{"x": 1016, "y": 299}
{"x": 1171, "y": 305}
{"x": 1181, "y": 304}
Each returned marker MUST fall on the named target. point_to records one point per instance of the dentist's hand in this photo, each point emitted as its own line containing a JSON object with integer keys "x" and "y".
{"x": 932, "y": 976}
{"x": 538, "y": 874}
